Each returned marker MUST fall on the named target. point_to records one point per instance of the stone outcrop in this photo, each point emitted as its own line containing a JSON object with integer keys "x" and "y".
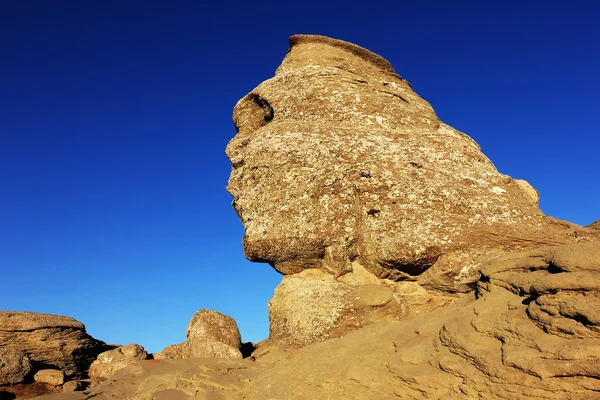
{"x": 412, "y": 268}
{"x": 50, "y": 341}
{"x": 113, "y": 360}
{"x": 209, "y": 334}
{"x": 338, "y": 165}
{"x": 594, "y": 225}
{"x": 529, "y": 331}
{"x": 14, "y": 365}
{"x": 337, "y": 160}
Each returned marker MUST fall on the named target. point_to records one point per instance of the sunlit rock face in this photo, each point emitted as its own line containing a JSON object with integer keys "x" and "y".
{"x": 338, "y": 162}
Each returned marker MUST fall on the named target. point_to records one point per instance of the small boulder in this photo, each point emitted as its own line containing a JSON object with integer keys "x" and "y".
{"x": 14, "y": 365}
{"x": 75, "y": 386}
{"x": 111, "y": 361}
{"x": 212, "y": 334}
{"x": 53, "y": 377}
{"x": 172, "y": 352}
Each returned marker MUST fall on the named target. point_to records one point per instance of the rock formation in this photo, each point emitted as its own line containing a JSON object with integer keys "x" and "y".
{"x": 339, "y": 165}
{"x": 595, "y": 225}
{"x": 50, "y": 341}
{"x": 209, "y": 334}
{"x": 337, "y": 160}
{"x": 531, "y": 331}
{"x": 413, "y": 269}
{"x": 113, "y": 360}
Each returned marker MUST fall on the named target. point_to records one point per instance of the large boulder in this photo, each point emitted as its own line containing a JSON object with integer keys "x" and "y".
{"x": 51, "y": 341}
{"x": 14, "y": 365}
{"x": 209, "y": 334}
{"x": 337, "y": 160}
{"x": 113, "y": 360}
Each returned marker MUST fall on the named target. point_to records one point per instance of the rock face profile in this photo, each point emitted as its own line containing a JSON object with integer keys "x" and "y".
{"x": 209, "y": 334}
{"x": 49, "y": 341}
{"x": 338, "y": 161}
{"x": 412, "y": 268}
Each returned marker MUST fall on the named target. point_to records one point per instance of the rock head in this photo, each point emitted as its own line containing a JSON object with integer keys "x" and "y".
{"x": 337, "y": 162}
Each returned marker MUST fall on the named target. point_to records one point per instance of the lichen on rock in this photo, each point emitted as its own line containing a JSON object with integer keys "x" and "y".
{"x": 337, "y": 160}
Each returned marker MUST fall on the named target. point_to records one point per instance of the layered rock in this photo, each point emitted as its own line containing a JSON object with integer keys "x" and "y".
{"x": 113, "y": 360}
{"x": 209, "y": 334}
{"x": 50, "y": 341}
{"x": 531, "y": 331}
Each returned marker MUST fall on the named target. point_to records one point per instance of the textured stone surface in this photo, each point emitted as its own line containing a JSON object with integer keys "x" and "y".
{"x": 212, "y": 334}
{"x": 52, "y": 377}
{"x": 338, "y": 165}
{"x": 75, "y": 386}
{"x": 172, "y": 352}
{"x": 337, "y": 160}
{"x": 595, "y": 225}
{"x": 51, "y": 341}
{"x": 530, "y": 332}
{"x": 111, "y": 361}
{"x": 14, "y": 365}
{"x": 209, "y": 334}
{"x": 528, "y": 327}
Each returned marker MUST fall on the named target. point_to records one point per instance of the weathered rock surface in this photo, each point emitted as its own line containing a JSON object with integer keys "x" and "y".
{"x": 594, "y": 225}
{"x": 52, "y": 377}
{"x": 338, "y": 165}
{"x": 111, "y": 361}
{"x": 432, "y": 275}
{"x": 14, "y": 365}
{"x": 337, "y": 160}
{"x": 172, "y": 352}
{"x": 51, "y": 341}
{"x": 531, "y": 331}
{"x": 75, "y": 386}
{"x": 209, "y": 334}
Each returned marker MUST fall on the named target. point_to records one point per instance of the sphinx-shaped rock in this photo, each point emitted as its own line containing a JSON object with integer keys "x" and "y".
{"x": 337, "y": 160}
{"x": 51, "y": 341}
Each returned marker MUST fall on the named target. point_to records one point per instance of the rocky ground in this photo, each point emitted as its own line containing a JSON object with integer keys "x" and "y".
{"x": 412, "y": 268}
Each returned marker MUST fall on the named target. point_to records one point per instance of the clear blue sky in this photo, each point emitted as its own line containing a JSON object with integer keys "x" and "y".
{"x": 114, "y": 116}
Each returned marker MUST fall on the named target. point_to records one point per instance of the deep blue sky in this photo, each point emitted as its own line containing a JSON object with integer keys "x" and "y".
{"x": 114, "y": 116}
